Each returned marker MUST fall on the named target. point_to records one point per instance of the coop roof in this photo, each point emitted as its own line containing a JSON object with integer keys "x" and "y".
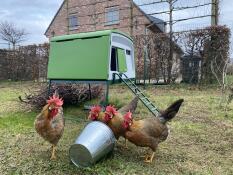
{"x": 88, "y": 35}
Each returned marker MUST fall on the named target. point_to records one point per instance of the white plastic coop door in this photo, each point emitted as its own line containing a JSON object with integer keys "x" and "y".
{"x": 120, "y": 41}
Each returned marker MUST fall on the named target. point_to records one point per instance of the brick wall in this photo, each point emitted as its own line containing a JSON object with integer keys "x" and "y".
{"x": 87, "y": 20}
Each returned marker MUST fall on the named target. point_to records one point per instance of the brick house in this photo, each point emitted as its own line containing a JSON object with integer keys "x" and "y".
{"x": 75, "y": 16}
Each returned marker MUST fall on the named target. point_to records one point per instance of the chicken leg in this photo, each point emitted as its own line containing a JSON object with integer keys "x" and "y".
{"x": 126, "y": 146}
{"x": 53, "y": 157}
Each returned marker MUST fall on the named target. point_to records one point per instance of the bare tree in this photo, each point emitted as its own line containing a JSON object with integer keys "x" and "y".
{"x": 230, "y": 69}
{"x": 218, "y": 54}
{"x": 11, "y": 33}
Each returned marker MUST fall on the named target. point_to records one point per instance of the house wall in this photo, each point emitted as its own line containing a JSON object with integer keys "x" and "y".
{"x": 89, "y": 22}
{"x": 59, "y": 23}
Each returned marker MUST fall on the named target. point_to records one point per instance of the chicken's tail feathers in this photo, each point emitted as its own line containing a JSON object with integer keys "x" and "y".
{"x": 134, "y": 103}
{"x": 130, "y": 106}
{"x": 171, "y": 111}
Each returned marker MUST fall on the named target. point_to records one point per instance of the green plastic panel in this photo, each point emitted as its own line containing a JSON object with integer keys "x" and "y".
{"x": 121, "y": 60}
{"x": 80, "y": 59}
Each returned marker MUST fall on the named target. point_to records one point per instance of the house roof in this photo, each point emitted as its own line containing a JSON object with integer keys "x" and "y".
{"x": 88, "y": 35}
{"x": 55, "y": 16}
{"x": 155, "y": 21}
{"x": 158, "y": 22}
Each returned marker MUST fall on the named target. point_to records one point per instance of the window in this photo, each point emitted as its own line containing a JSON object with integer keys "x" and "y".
{"x": 128, "y": 52}
{"x": 73, "y": 22}
{"x": 112, "y": 15}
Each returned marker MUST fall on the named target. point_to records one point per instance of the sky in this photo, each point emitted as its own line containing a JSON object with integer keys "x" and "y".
{"x": 33, "y": 15}
{"x": 36, "y": 15}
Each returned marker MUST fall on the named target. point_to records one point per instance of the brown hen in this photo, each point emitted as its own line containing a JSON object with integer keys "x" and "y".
{"x": 151, "y": 131}
{"x": 49, "y": 124}
{"x": 112, "y": 117}
{"x": 115, "y": 118}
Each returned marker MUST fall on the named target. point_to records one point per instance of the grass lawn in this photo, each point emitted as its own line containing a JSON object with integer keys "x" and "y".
{"x": 200, "y": 141}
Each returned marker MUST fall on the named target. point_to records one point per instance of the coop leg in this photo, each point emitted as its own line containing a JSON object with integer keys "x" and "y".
{"x": 106, "y": 94}
{"x": 89, "y": 91}
{"x": 49, "y": 88}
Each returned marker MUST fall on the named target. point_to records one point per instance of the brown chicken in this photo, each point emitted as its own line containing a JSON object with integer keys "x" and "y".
{"x": 112, "y": 117}
{"x": 151, "y": 131}
{"x": 96, "y": 114}
{"x": 49, "y": 124}
{"x": 115, "y": 119}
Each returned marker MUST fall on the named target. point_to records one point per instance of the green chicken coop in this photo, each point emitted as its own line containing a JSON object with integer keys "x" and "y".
{"x": 93, "y": 56}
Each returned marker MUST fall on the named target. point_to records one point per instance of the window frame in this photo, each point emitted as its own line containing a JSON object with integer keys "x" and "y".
{"x": 110, "y": 11}
{"x": 72, "y": 17}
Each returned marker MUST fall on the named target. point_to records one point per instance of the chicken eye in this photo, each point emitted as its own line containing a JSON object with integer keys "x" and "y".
{"x": 50, "y": 108}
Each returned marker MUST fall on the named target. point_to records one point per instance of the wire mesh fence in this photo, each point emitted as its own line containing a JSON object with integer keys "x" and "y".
{"x": 193, "y": 54}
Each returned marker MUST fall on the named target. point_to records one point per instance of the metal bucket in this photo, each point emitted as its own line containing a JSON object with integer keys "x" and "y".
{"x": 94, "y": 142}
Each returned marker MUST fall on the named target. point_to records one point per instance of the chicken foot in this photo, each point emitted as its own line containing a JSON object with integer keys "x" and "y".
{"x": 149, "y": 159}
{"x": 125, "y": 145}
{"x": 53, "y": 157}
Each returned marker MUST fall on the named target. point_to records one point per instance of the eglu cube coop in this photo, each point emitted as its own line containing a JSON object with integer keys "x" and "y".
{"x": 93, "y": 56}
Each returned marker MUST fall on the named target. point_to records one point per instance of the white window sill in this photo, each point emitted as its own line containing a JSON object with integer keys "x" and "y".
{"x": 111, "y": 23}
{"x": 73, "y": 28}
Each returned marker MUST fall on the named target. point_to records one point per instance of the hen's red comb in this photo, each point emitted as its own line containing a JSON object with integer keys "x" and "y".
{"x": 96, "y": 109}
{"x": 128, "y": 116}
{"x": 111, "y": 109}
{"x": 56, "y": 100}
